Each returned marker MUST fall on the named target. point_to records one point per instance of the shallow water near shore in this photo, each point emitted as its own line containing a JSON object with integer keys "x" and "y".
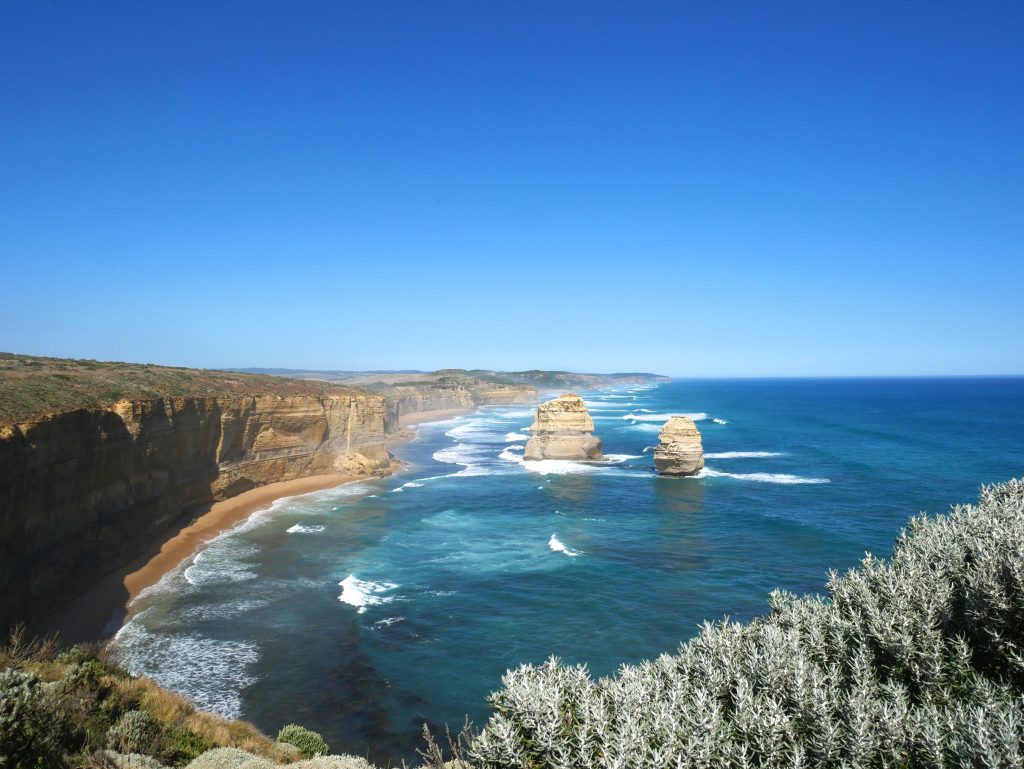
{"x": 364, "y": 611}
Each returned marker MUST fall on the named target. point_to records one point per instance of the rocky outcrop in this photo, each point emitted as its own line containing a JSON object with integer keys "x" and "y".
{"x": 679, "y": 450}
{"x": 563, "y": 429}
{"x": 85, "y": 492}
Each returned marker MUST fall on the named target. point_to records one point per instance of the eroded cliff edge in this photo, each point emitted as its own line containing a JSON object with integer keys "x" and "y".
{"x": 86, "y": 491}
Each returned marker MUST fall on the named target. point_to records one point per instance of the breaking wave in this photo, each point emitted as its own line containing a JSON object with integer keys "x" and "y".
{"x": 362, "y": 592}
{"x": 784, "y": 478}
{"x": 302, "y": 529}
{"x": 173, "y": 659}
{"x": 696, "y": 416}
{"x": 556, "y": 545}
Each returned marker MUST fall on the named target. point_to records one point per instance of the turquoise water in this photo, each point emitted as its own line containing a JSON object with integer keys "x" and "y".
{"x": 363, "y": 612}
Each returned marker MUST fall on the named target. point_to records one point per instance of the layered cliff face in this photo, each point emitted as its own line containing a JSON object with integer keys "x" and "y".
{"x": 563, "y": 429}
{"x": 451, "y": 392}
{"x": 87, "y": 491}
{"x": 679, "y": 450}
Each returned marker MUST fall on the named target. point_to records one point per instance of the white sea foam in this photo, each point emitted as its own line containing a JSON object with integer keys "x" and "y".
{"x": 617, "y": 459}
{"x": 173, "y": 659}
{"x": 560, "y": 467}
{"x": 388, "y": 622}
{"x": 220, "y": 563}
{"x": 647, "y": 427}
{"x": 301, "y": 529}
{"x": 472, "y": 471}
{"x": 510, "y": 454}
{"x": 510, "y": 437}
{"x": 460, "y": 454}
{"x": 465, "y": 430}
{"x": 556, "y": 545}
{"x": 651, "y": 448}
{"x": 514, "y": 414}
{"x": 696, "y": 416}
{"x": 719, "y": 421}
{"x": 741, "y": 454}
{"x": 784, "y": 478}
{"x": 362, "y": 592}
{"x": 408, "y": 485}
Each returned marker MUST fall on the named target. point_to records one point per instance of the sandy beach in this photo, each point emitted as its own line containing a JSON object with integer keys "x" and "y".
{"x": 100, "y": 612}
{"x": 221, "y": 517}
{"x": 419, "y": 417}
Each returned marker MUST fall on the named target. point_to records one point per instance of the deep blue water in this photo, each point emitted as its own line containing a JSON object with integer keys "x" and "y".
{"x": 470, "y": 562}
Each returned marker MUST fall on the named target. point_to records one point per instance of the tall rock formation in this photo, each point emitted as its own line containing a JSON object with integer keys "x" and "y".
{"x": 679, "y": 450}
{"x": 563, "y": 429}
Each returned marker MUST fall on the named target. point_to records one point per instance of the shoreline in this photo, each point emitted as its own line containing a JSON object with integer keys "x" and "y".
{"x": 103, "y": 609}
{"x": 221, "y": 517}
{"x": 437, "y": 415}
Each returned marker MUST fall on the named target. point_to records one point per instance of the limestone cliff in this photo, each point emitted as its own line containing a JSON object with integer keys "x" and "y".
{"x": 563, "y": 429}
{"x": 679, "y": 450}
{"x": 453, "y": 392}
{"x": 86, "y": 491}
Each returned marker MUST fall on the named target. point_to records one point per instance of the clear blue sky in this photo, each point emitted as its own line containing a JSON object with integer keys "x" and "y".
{"x": 733, "y": 188}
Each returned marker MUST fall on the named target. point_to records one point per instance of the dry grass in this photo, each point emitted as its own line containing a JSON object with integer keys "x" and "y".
{"x": 171, "y": 708}
{"x": 31, "y": 387}
{"x": 93, "y": 694}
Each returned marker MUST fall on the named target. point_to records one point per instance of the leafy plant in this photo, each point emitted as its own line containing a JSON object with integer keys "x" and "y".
{"x": 25, "y": 737}
{"x": 230, "y": 758}
{"x": 135, "y": 732}
{"x": 310, "y": 743}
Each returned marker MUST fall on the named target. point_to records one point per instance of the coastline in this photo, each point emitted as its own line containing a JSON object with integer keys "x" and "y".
{"x": 221, "y": 517}
{"x": 99, "y": 613}
{"x": 437, "y": 415}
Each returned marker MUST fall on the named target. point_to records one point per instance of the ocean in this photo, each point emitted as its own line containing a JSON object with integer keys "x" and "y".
{"x": 365, "y": 611}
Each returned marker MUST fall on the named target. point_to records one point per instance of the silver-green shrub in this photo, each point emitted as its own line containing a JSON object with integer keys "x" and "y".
{"x": 918, "y": 662}
{"x": 309, "y": 742}
{"x": 25, "y": 732}
{"x": 135, "y": 732}
{"x": 132, "y": 760}
{"x": 343, "y": 761}
{"x": 230, "y": 758}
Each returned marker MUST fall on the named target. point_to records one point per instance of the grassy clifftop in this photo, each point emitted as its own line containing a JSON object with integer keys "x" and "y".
{"x": 77, "y": 710}
{"x": 32, "y": 386}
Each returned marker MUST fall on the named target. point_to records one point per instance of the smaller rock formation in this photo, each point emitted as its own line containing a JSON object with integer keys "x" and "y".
{"x": 679, "y": 451}
{"x": 563, "y": 429}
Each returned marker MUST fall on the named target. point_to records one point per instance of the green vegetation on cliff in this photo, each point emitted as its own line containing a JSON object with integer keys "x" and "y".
{"x": 32, "y": 386}
{"x": 74, "y": 710}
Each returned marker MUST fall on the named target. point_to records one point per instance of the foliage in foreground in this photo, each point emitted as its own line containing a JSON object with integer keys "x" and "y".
{"x": 918, "y": 662}
{"x": 310, "y": 743}
{"x": 75, "y": 710}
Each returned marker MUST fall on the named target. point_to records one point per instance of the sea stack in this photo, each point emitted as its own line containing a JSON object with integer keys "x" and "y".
{"x": 679, "y": 450}
{"x": 563, "y": 429}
